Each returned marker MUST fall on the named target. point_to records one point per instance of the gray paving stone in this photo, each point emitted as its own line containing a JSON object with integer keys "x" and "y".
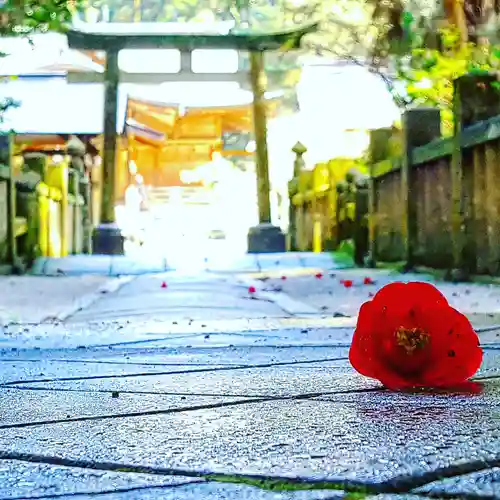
{"x": 16, "y": 370}
{"x": 27, "y": 480}
{"x": 319, "y": 260}
{"x": 215, "y": 491}
{"x": 247, "y": 263}
{"x": 184, "y": 297}
{"x": 75, "y": 265}
{"x": 363, "y": 441}
{"x": 125, "y": 265}
{"x": 275, "y": 261}
{"x": 160, "y": 358}
{"x": 23, "y": 406}
{"x": 484, "y": 483}
{"x": 282, "y": 381}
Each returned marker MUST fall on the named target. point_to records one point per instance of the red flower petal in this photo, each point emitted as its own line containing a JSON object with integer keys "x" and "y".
{"x": 413, "y": 292}
{"x": 318, "y": 275}
{"x": 251, "y": 289}
{"x": 368, "y": 281}
{"x": 408, "y": 336}
{"x": 347, "y": 283}
{"x": 164, "y": 285}
{"x": 283, "y": 278}
{"x": 362, "y": 347}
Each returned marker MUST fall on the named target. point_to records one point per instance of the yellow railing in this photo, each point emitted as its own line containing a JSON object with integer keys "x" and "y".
{"x": 313, "y": 195}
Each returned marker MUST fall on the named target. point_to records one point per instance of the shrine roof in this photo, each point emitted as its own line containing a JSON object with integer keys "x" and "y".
{"x": 51, "y": 105}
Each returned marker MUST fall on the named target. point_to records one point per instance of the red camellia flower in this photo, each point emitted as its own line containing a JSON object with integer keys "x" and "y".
{"x": 408, "y": 336}
{"x": 347, "y": 283}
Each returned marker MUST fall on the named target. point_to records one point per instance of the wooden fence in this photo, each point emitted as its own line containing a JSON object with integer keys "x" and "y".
{"x": 322, "y": 208}
{"x": 43, "y": 206}
{"x": 434, "y": 201}
{"x": 438, "y": 203}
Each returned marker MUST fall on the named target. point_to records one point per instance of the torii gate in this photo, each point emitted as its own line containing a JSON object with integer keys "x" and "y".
{"x": 105, "y": 37}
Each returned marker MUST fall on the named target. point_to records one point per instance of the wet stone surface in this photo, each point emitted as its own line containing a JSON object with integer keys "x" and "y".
{"x": 284, "y": 381}
{"x": 27, "y": 480}
{"x": 18, "y": 407}
{"x": 214, "y": 491}
{"x": 298, "y": 438}
{"x": 485, "y": 483}
{"x": 246, "y": 390}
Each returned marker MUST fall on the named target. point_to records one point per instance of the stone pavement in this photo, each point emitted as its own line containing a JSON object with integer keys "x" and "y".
{"x": 37, "y": 299}
{"x": 201, "y": 390}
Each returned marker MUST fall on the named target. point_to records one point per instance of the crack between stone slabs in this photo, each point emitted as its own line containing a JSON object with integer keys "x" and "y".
{"x": 194, "y": 394}
{"x": 405, "y": 484}
{"x": 223, "y": 404}
{"x": 181, "y": 336}
{"x": 180, "y": 372}
{"x": 119, "y": 363}
{"x": 85, "y": 303}
{"x": 107, "y": 492}
{"x": 275, "y": 483}
{"x": 397, "y": 485}
{"x": 452, "y": 496}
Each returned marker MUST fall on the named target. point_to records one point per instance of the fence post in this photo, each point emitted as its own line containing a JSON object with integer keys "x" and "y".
{"x": 378, "y": 151}
{"x": 360, "y": 221}
{"x": 420, "y": 126}
{"x": 7, "y": 147}
{"x": 298, "y": 165}
{"x": 76, "y": 151}
{"x": 474, "y": 99}
{"x": 340, "y": 212}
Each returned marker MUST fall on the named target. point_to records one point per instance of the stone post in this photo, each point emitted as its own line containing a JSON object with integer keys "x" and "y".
{"x": 298, "y": 165}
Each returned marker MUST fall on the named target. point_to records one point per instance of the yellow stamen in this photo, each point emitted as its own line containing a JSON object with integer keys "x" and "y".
{"x": 411, "y": 339}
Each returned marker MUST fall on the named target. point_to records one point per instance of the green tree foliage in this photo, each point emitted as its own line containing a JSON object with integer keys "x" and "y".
{"x": 428, "y": 73}
{"x": 18, "y": 17}
{"x": 22, "y": 18}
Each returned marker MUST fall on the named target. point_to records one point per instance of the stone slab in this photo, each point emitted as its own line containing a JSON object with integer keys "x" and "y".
{"x": 313, "y": 439}
{"x": 180, "y": 296}
{"x": 272, "y": 382}
{"x": 323, "y": 260}
{"x": 222, "y": 263}
{"x": 28, "y": 300}
{"x": 158, "y": 358}
{"x": 274, "y": 261}
{"x": 75, "y": 265}
{"x": 125, "y": 265}
{"x": 26, "y": 406}
{"x": 29, "y": 480}
{"x": 479, "y": 484}
{"x": 217, "y": 491}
